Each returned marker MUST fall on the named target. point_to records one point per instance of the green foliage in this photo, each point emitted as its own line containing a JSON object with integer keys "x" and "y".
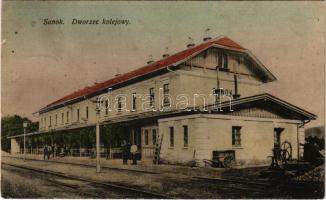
{"x": 87, "y": 137}
{"x": 13, "y": 125}
{"x": 111, "y": 136}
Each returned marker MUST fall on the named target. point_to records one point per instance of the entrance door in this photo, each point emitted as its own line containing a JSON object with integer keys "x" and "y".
{"x": 149, "y": 135}
{"x": 135, "y": 138}
{"x": 277, "y": 137}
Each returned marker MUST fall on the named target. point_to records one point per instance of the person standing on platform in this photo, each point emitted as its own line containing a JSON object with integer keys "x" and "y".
{"x": 124, "y": 148}
{"x": 49, "y": 152}
{"x": 45, "y": 152}
{"x": 128, "y": 151}
{"x": 133, "y": 151}
{"x": 54, "y": 150}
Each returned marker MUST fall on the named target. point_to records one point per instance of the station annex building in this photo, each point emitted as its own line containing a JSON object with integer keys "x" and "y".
{"x": 251, "y": 126}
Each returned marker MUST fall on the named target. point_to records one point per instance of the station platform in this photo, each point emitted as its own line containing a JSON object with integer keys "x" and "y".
{"x": 170, "y": 180}
{"x": 145, "y": 166}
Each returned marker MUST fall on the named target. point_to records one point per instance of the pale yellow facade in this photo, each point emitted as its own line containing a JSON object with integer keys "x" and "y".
{"x": 189, "y": 84}
{"x": 207, "y": 133}
{"x": 193, "y": 83}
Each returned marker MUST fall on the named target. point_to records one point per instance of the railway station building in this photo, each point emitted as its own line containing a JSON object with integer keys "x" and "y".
{"x": 205, "y": 98}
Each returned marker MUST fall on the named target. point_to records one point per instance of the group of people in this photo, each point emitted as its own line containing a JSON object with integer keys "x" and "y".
{"x": 48, "y": 150}
{"x": 55, "y": 151}
{"x": 129, "y": 152}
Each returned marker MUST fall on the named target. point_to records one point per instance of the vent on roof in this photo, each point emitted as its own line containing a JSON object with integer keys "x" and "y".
{"x": 150, "y": 59}
{"x": 190, "y": 42}
{"x": 207, "y": 35}
{"x": 166, "y": 53}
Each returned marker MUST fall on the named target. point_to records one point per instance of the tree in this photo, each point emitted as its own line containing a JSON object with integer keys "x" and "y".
{"x": 113, "y": 135}
{"x": 13, "y": 125}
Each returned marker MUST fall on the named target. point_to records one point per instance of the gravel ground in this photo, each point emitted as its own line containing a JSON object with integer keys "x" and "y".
{"x": 315, "y": 175}
{"x": 21, "y": 183}
{"x": 179, "y": 185}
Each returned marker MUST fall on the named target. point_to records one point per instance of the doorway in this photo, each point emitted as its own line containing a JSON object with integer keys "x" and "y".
{"x": 149, "y": 139}
{"x": 277, "y": 137}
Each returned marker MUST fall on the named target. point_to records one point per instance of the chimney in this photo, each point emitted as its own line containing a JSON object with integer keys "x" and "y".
{"x": 166, "y": 53}
{"x": 190, "y": 42}
{"x": 207, "y": 35}
{"x": 150, "y": 59}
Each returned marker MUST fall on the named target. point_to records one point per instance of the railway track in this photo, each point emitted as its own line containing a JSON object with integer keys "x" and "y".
{"x": 69, "y": 187}
{"x": 239, "y": 187}
{"x": 88, "y": 165}
{"x": 230, "y": 184}
{"x": 122, "y": 188}
{"x": 259, "y": 186}
{"x": 261, "y": 183}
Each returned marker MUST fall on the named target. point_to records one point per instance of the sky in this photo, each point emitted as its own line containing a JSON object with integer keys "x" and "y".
{"x": 41, "y": 63}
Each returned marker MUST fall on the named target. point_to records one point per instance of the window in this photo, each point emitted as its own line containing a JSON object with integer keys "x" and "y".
{"x": 119, "y": 104}
{"x": 166, "y": 90}
{"x": 106, "y": 107}
{"x": 62, "y": 118}
{"x": 171, "y": 137}
{"x": 154, "y": 136}
{"x": 56, "y": 119}
{"x": 50, "y": 121}
{"x": 236, "y": 136}
{"x": 151, "y": 97}
{"x": 86, "y": 112}
{"x": 67, "y": 116}
{"x": 146, "y": 137}
{"x": 185, "y": 136}
{"x": 44, "y": 122}
{"x": 78, "y": 114}
{"x": 223, "y": 61}
{"x": 133, "y": 106}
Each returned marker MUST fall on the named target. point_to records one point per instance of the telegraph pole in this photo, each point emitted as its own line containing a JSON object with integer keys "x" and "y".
{"x": 98, "y": 154}
{"x": 25, "y": 126}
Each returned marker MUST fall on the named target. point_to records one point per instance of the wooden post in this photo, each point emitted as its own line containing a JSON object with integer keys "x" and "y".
{"x": 98, "y": 153}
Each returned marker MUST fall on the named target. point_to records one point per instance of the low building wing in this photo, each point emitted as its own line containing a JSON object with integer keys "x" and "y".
{"x": 263, "y": 105}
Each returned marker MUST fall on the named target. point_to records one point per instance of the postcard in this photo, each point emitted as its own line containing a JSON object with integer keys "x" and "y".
{"x": 155, "y": 100}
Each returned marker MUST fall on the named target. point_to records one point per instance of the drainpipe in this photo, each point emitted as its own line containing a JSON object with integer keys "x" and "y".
{"x": 303, "y": 122}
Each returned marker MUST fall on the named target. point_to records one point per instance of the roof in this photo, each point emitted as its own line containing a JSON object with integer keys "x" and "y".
{"x": 264, "y": 100}
{"x": 268, "y": 101}
{"x": 223, "y": 42}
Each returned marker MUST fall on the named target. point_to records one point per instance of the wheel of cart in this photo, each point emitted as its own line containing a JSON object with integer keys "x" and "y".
{"x": 225, "y": 158}
{"x": 286, "y": 152}
{"x": 282, "y": 154}
{"x": 228, "y": 161}
{"x": 211, "y": 163}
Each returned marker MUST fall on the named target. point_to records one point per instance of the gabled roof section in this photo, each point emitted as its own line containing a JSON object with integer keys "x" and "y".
{"x": 268, "y": 102}
{"x": 173, "y": 60}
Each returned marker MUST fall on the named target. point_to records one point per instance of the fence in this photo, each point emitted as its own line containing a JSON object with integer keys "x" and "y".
{"x": 80, "y": 152}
